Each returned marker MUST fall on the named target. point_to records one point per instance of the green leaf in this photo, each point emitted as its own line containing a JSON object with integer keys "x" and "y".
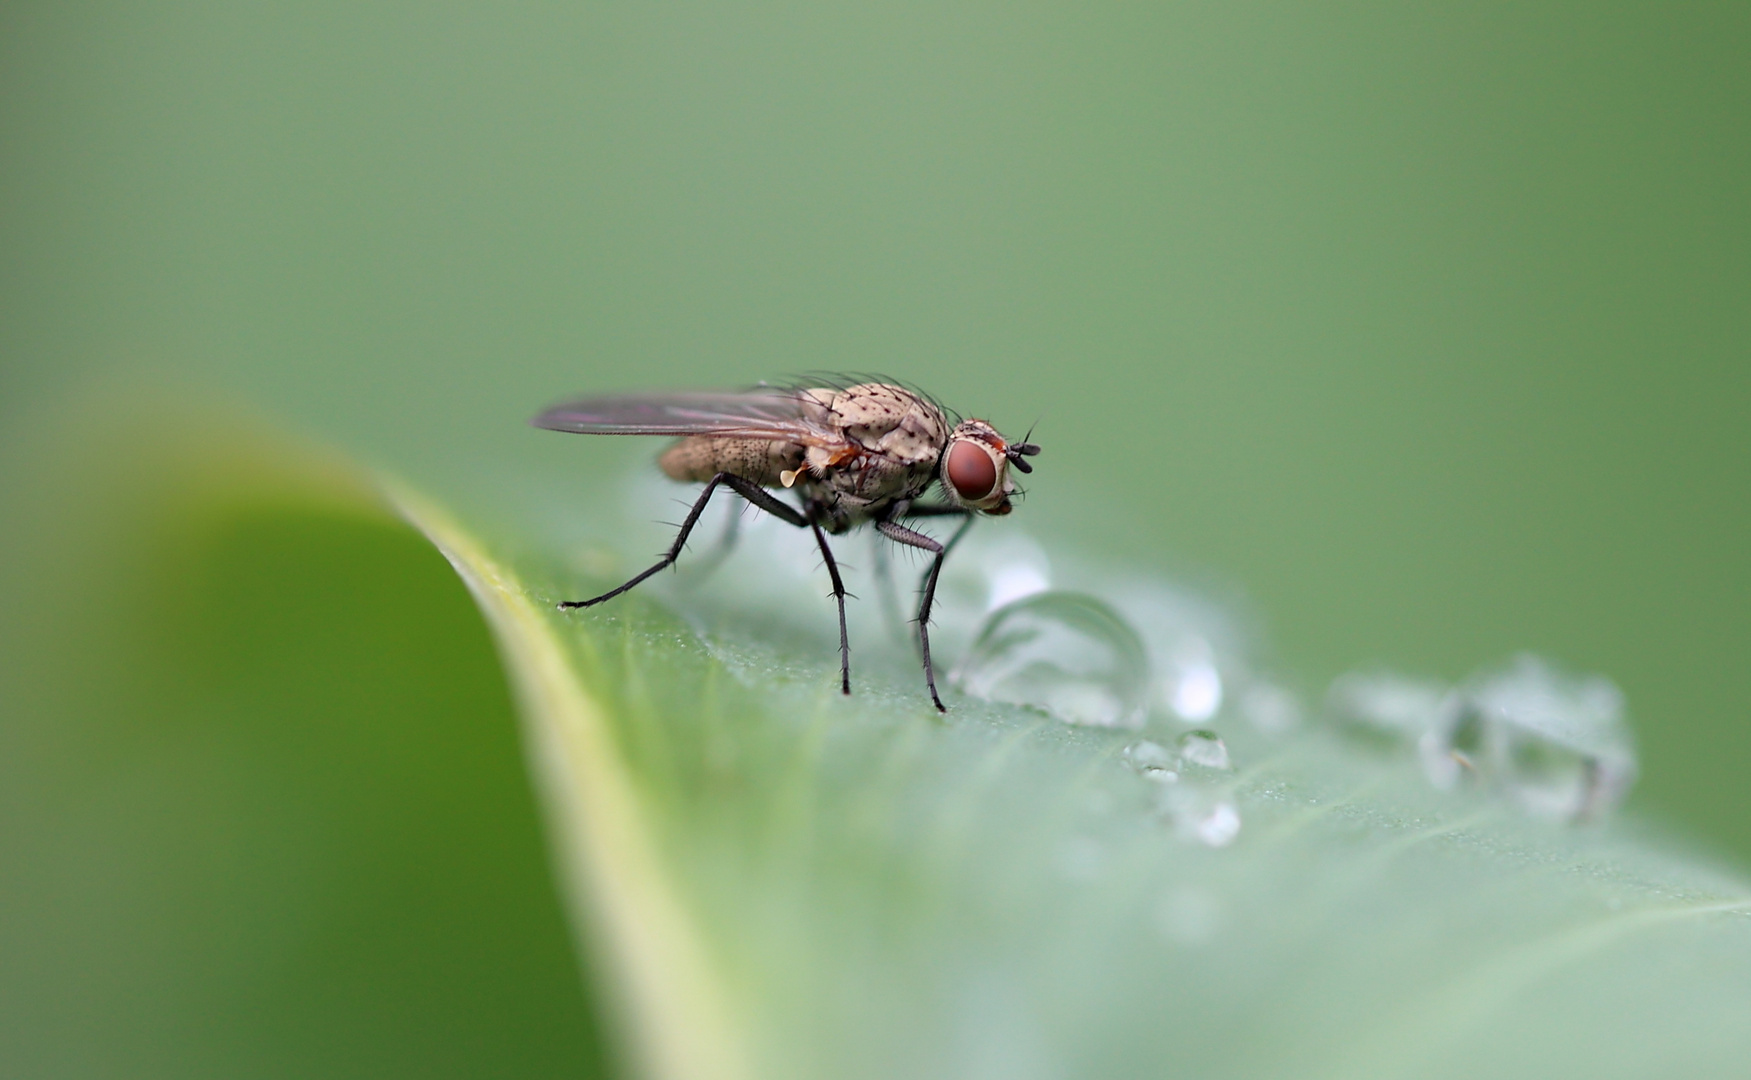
{"x": 795, "y": 884}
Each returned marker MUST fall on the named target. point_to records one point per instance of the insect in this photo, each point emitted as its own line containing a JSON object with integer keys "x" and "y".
{"x": 851, "y": 453}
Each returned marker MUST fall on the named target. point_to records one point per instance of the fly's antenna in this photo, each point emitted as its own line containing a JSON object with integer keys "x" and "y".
{"x": 1016, "y": 451}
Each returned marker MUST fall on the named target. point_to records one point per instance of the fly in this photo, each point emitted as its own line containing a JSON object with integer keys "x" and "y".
{"x": 849, "y": 454}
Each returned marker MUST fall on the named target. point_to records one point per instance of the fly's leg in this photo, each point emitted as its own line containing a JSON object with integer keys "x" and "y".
{"x": 933, "y": 510}
{"x": 747, "y": 489}
{"x": 900, "y": 534}
{"x": 929, "y": 588}
{"x": 838, "y": 595}
{"x": 883, "y": 570}
{"x": 765, "y": 500}
{"x": 768, "y": 502}
{"x": 726, "y": 544}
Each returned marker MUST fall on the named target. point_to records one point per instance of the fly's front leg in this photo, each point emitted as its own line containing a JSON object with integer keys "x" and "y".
{"x": 747, "y": 489}
{"x": 929, "y": 589}
{"x": 917, "y": 510}
{"x": 900, "y": 534}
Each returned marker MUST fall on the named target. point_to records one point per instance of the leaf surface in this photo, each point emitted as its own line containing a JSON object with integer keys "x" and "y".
{"x": 792, "y": 883}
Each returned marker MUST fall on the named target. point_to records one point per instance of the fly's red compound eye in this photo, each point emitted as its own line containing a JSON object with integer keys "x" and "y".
{"x": 971, "y": 470}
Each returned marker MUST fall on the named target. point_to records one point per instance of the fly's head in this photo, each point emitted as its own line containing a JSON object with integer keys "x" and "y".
{"x": 974, "y": 469}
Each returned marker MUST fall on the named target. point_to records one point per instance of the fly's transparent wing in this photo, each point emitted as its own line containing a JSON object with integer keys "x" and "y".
{"x": 754, "y": 414}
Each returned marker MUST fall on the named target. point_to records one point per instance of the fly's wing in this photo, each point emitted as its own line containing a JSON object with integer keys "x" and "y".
{"x": 755, "y": 414}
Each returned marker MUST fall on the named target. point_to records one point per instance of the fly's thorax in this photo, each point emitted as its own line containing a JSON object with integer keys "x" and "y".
{"x": 891, "y": 440}
{"x": 698, "y": 458}
{"x": 879, "y": 418}
{"x": 974, "y": 469}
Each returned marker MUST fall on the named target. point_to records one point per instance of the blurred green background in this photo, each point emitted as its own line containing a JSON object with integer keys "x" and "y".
{"x": 1428, "y": 329}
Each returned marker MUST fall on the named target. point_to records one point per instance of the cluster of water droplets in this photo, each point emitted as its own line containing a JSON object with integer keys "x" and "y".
{"x": 1555, "y": 744}
{"x": 1135, "y": 650}
{"x": 1195, "y": 785}
{"x": 1126, "y": 654}
{"x": 1143, "y": 655}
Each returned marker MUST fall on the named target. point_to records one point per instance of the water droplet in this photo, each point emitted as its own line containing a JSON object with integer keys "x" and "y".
{"x": 1152, "y": 760}
{"x": 1202, "y": 814}
{"x": 1189, "y": 642}
{"x": 1012, "y": 581}
{"x": 1194, "y": 687}
{"x": 1385, "y": 708}
{"x": 1218, "y": 826}
{"x": 1204, "y": 749}
{"x": 1557, "y": 744}
{"x": 1064, "y": 653}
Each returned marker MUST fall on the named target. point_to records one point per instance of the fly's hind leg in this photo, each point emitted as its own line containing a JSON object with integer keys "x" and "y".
{"x": 747, "y": 489}
{"x": 723, "y": 548}
{"x": 900, "y": 534}
{"x": 839, "y": 596}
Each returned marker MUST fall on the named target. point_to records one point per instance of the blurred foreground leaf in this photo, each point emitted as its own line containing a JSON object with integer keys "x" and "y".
{"x": 768, "y": 880}
{"x": 262, "y": 807}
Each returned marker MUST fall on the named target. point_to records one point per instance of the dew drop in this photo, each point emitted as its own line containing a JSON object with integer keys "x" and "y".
{"x": 1202, "y": 814}
{"x": 1556, "y": 744}
{"x": 1152, "y": 760}
{"x": 1218, "y": 826}
{"x": 1385, "y": 708}
{"x": 1190, "y": 643}
{"x": 1066, "y": 654}
{"x": 1194, "y": 693}
{"x": 1012, "y": 581}
{"x": 1204, "y": 749}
